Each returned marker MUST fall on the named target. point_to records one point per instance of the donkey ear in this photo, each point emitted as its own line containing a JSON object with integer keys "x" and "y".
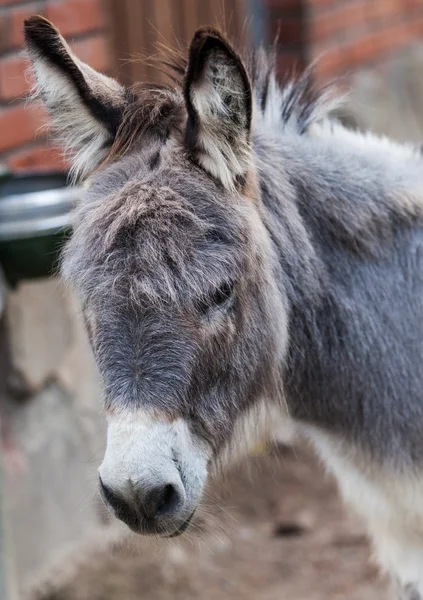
{"x": 86, "y": 107}
{"x": 219, "y": 104}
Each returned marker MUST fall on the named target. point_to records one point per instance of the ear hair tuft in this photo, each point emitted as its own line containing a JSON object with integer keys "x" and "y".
{"x": 218, "y": 98}
{"x": 86, "y": 107}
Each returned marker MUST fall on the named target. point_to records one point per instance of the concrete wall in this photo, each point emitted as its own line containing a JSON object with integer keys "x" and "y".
{"x": 52, "y": 428}
{"x": 389, "y": 100}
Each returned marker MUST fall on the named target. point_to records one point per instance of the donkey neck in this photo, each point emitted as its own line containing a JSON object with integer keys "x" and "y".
{"x": 334, "y": 192}
{"x": 346, "y": 225}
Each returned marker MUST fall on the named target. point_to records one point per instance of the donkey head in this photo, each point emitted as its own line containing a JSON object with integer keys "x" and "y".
{"x": 173, "y": 266}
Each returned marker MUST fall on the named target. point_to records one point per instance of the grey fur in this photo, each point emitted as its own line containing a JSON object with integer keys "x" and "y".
{"x": 321, "y": 241}
{"x": 354, "y": 364}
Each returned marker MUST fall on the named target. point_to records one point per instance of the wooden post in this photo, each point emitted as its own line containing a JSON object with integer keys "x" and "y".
{"x": 139, "y": 26}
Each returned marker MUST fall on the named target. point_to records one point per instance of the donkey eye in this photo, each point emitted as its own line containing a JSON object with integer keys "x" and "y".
{"x": 218, "y": 298}
{"x": 221, "y": 295}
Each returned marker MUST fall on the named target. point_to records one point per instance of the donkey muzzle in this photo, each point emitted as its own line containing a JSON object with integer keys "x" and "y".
{"x": 153, "y": 473}
{"x": 152, "y": 508}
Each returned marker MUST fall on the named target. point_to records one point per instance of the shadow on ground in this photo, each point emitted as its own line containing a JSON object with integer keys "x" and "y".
{"x": 275, "y": 530}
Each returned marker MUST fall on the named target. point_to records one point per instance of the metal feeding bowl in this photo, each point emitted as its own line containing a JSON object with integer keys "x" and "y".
{"x": 35, "y": 220}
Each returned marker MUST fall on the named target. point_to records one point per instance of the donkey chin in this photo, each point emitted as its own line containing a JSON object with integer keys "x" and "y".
{"x": 153, "y": 473}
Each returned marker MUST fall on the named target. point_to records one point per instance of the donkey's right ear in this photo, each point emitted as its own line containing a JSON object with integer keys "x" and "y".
{"x": 218, "y": 98}
{"x": 86, "y": 107}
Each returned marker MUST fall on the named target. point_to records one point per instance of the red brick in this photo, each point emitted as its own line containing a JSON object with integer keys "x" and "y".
{"x": 4, "y": 32}
{"x": 352, "y": 14}
{"x": 340, "y": 20}
{"x": 381, "y": 43}
{"x": 384, "y": 10}
{"x": 329, "y": 64}
{"x": 321, "y": 26}
{"x": 412, "y": 4}
{"x": 13, "y": 69}
{"x": 317, "y": 4}
{"x": 361, "y": 51}
{"x": 365, "y": 49}
{"x": 17, "y": 18}
{"x": 288, "y": 30}
{"x": 71, "y": 17}
{"x": 76, "y": 16}
{"x": 94, "y": 51}
{"x": 289, "y": 64}
{"x": 13, "y": 83}
{"x": 281, "y": 5}
{"x": 41, "y": 157}
{"x": 19, "y": 125}
{"x": 4, "y": 2}
{"x": 416, "y": 27}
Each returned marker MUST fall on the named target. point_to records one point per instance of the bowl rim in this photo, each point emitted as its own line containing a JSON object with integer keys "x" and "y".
{"x": 59, "y": 198}
{"x": 30, "y": 228}
{"x": 35, "y": 214}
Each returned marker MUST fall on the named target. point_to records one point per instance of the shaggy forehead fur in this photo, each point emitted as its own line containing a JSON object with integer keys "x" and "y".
{"x": 165, "y": 236}
{"x": 172, "y": 230}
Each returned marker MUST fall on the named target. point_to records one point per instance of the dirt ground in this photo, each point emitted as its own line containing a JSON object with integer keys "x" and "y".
{"x": 274, "y": 530}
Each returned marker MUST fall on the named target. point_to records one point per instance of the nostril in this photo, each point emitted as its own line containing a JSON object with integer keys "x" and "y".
{"x": 109, "y": 496}
{"x": 170, "y": 500}
{"x": 121, "y": 508}
{"x": 162, "y": 501}
{"x": 113, "y": 500}
{"x": 152, "y": 503}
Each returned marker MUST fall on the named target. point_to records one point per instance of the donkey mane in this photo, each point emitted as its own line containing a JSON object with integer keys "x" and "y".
{"x": 294, "y": 104}
{"x": 298, "y": 113}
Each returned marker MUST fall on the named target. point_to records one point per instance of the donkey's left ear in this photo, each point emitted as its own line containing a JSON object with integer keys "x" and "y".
{"x": 219, "y": 103}
{"x": 85, "y": 106}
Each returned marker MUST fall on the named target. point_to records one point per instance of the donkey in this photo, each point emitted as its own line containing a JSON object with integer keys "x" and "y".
{"x": 241, "y": 258}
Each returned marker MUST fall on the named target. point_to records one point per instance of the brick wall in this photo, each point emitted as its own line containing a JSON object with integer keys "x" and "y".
{"x": 342, "y": 34}
{"x": 23, "y": 143}
{"x": 354, "y": 33}
{"x": 286, "y": 23}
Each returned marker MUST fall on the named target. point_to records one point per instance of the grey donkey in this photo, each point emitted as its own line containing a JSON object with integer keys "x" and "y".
{"x": 242, "y": 260}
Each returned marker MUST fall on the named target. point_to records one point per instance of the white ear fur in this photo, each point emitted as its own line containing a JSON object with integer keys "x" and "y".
{"x": 218, "y": 97}
{"x": 84, "y": 105}
{"x": 82, "y": 137}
